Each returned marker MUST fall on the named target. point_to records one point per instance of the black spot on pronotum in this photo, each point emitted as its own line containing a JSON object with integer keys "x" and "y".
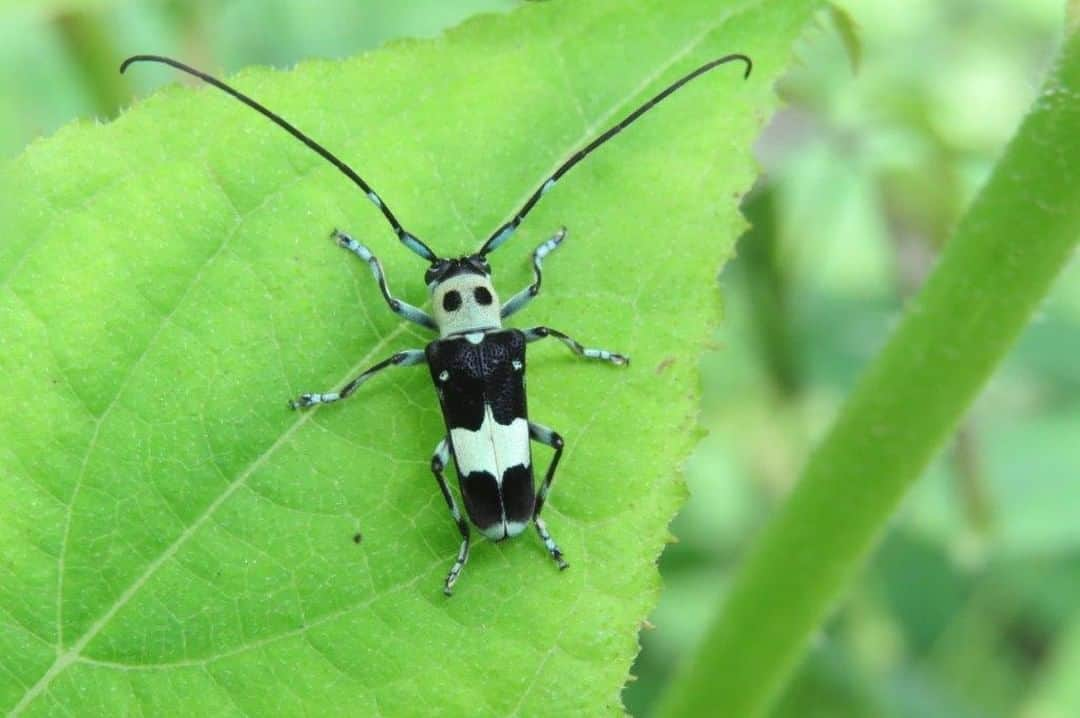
{"x": 482, "y": 296}
{"x": 451, "y": 301}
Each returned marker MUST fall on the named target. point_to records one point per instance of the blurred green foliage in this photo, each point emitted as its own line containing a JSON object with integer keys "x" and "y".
{"x": 969, "y": 607}
{"x": 866, "y": 174}
{"x": 58, "y": 58}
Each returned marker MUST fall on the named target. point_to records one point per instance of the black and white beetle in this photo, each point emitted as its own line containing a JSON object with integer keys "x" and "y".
{"x": 477, "y": 365}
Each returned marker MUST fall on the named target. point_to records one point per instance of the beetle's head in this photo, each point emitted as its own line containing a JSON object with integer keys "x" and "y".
{"x": 443, "y": 269}
{"x": 462, "y": 295}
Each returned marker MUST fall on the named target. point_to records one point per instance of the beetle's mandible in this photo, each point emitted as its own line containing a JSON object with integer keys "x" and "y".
{"x": 476, "y": 364}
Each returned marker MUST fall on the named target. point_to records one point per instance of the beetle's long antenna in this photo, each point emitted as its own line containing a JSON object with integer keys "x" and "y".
{"x": 503, "y": 233}
{"x": 403, "y": 235}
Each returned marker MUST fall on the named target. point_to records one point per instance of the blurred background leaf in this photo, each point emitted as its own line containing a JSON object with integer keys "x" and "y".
{"x": 58, "y": 58}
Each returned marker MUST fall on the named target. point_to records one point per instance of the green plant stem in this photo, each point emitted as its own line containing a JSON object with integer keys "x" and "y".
{"x": 992, "y": 275}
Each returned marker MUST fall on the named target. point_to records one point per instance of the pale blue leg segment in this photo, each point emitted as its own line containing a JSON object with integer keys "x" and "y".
{"x": 403, "y": 309}
{"x": 539, "y": 432}
{"x": 409, "y": 357}
{"x": 438, "y": 463}
{"x": 537, "y": 333}
{"x": 523, "y": 297}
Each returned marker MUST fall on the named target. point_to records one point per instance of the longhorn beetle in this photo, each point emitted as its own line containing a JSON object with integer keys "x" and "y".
{"x": 477, "y": 365}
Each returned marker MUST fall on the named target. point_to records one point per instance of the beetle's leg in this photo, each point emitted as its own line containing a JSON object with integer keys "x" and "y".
{"x": 539, "y": 432}
{"x": 438, "y": 462}
{"x": 404, "y": 309}
{"x": 523, "y": 297}
{"x": 537, "y": 333}
{"x": 408, "y": 357}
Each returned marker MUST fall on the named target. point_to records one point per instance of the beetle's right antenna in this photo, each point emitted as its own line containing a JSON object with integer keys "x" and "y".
{"x": 406, "y": 238}
{"x": 503, "y": 233}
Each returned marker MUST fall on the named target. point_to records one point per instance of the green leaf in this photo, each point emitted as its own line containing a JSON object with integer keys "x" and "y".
{"x": 990, "y": 279}
{"x": 174, "y": 540}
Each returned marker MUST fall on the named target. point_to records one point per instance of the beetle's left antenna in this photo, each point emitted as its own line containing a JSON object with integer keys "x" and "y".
{"x": 406, "y": 238}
